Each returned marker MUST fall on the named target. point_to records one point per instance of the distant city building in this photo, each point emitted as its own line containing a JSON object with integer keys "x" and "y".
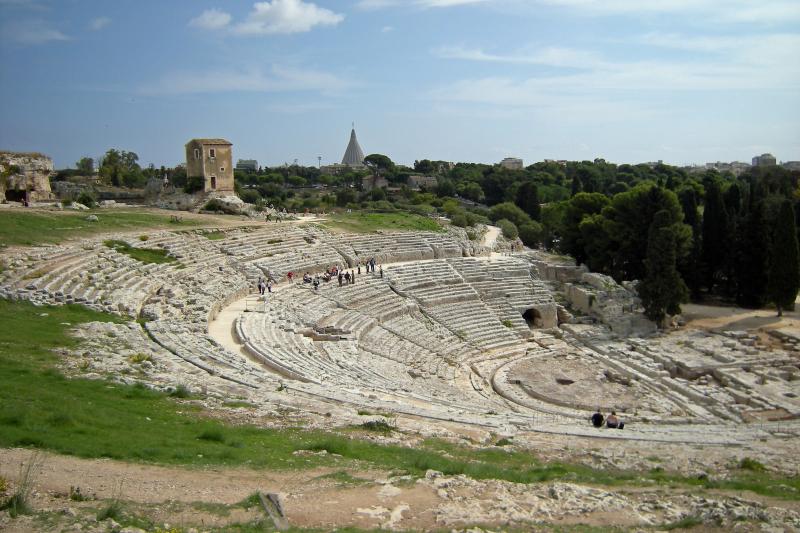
{"x": 512, "y": 163}
{"x": 374, "y": 182}
{"x": 764, "y": 160}
{"x": 791, "y": 165}
{"x": 416, "y": 182}
{"x": 247, "y": 165}
{"x": 561, "y": 162}
{"x": 211, "y": 159}
{"x": 736, "y": 167}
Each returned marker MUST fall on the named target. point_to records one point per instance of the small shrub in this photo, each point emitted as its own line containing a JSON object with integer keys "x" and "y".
{"x": 380, "y": 426}
{"x": 3, "y": 484}
{"x": 76, "y": 495}
{"x": 140, "y": 358}
{"x": 471, "y": 235}
{"x": 751, "y": 464}
{"x": 88, "y": 199}
{"x": 503, "y": 442}
{"x": 459, "y": 220}
{"x": 111, "y": 511}
{"x": 509, "y": 229}
{"x": 274, "y": 241}
{"x": 181, "y": 391}
{"x": 507, "y": 323}
{"x": 212, "y": 435}
{"x": 144, "y": 238}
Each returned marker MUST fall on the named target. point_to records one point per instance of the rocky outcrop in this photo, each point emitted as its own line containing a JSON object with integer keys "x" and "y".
{"x": 25, "y": 177}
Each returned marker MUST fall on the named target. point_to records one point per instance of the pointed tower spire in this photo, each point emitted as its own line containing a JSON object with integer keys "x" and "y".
{"x": 353, "y": 156}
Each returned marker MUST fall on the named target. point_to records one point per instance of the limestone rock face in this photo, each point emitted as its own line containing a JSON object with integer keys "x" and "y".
{"x": 25, "y": 176}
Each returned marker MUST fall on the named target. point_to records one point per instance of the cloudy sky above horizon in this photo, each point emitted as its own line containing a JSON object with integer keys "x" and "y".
{"x": 685, "y": 81}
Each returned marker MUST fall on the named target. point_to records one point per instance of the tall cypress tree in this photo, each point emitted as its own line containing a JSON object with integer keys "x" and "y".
{"x": 750, "y": 267}
{"x": 784, "y": 270}
{"x": 662, "y": 290}
{"x": 716, "y": 240}
{"x": 689, "y": 266}
{"x": 528, "y": 200}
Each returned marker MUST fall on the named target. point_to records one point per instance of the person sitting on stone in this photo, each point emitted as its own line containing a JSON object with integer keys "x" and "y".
{"x": 612, "y": 421}
{"x": 597, "y": 419}
{"x": 306, "y": 278}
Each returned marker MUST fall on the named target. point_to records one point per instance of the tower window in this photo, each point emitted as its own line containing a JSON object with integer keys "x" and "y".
{"x": 197, "y": 153}
{"x": 212, "y": 153}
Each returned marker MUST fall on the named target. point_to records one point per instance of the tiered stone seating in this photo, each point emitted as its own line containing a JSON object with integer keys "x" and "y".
{"x": 474, "y": 323}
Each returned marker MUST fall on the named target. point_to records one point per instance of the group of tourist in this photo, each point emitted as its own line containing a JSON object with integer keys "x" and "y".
{"x": 612, "y": 421}
{"x": 344, "y": 276}
{"x": 264, "y": 285}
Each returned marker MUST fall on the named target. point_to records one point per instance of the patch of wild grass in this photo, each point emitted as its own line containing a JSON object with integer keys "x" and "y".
{"x": 19, "y": 502}
{"x": 214, "y": 235}
{"x": 144, "y": 255}
{"x": 365, "y": 222}
{"x": 28, "y": 228}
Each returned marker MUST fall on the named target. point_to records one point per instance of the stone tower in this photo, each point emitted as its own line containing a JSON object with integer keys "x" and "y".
{"x": 212, "y": 160}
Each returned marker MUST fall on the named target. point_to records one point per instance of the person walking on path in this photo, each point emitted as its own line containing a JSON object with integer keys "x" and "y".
{"x": 359, "y": 268}
{"x": 381, "y": 271}
{"x": 353, "y": 277}
{"x": 269, "y": 285}
{"x": 340, "y": 278}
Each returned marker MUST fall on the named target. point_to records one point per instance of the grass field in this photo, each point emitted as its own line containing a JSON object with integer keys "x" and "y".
{"x": 28, "y": 228}
{"x": 361, "y": 222}
{"x": 40, "y": 408}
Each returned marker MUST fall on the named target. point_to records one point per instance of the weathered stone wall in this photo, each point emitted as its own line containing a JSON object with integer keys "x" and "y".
{"x": 25, "y": 176}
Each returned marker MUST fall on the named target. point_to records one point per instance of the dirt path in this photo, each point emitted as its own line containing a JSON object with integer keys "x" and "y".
{"x": 490, "y": 237}
{"x": 329, "y": 499}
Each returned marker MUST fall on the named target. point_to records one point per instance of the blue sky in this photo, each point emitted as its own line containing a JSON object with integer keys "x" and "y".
{"x": 686, "y": 81}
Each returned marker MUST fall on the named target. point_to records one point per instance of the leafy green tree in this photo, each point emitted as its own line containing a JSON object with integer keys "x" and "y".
{"x": 472, "y": 191}
{"x": 119, "y": 167}
{"x": 379, "y": 164}
{"x": 85, "y": 166}
{"x": 716, "y": 237}
{"x": 509, "y": 211}
{"x": 528, "y": 200}
{"x": 662, "y": 290}
{"x": 784, "y": 268}
{"x": 579, "y": 206}
{"x": 532, "y": 233}
{"x": 445, "y": 188}
{"x": 345, "y": 196}
{"x": 508, "y": 228}
{"x": 628, "y": 219}
{"x": 752, "y": 259}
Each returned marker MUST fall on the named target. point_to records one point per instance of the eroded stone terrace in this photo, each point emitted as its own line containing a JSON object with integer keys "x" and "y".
{"x": 445, "y": 334}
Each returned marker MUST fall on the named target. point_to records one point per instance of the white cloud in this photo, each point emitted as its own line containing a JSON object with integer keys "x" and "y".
{"x": 211, "y": 19}
{"x": 277, "y": 79}
{"x": 584, "y": 79}
{"x": 286, "y": 16}
{"x": 387, "y": 29}
{"x": 381, "y": 4}
{"x": 31, "y": 32}
{"x": 550, "y": 56}
{"x": 744, "y": 11}
{"x": 99, "y": 23}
